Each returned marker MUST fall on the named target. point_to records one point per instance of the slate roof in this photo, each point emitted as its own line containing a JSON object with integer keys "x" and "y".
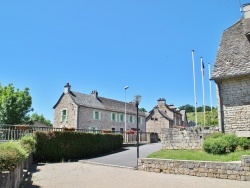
{"x": 101, "y": 103}
{"x": 233, "y": 57}
{"x": 165, "y": 115}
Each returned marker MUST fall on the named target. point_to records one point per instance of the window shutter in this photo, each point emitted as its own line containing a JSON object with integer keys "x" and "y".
{"x": 66, "y": 116}
{"x": 99, "y": 115}
{"x": 93, "y": 114}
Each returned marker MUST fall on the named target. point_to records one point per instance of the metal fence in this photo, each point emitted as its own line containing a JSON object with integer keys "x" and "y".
{"x": 14, "y": 133}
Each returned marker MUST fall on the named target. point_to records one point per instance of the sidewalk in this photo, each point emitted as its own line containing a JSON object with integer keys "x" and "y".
{"x": 83, "y": 175}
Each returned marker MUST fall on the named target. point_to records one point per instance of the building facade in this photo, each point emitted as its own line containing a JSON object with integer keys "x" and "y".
{"x": 92, "y": 112}
{"x": 164, "y": 116}
{"x": 231, "y": 74}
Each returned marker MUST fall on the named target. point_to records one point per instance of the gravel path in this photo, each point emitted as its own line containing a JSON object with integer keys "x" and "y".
{"x": 84, "y": 175}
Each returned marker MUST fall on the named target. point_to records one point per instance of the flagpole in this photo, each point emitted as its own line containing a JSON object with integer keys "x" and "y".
{"x": 203, "y": 94}
{"x": 195, "y": 103}
{"x": 211, "y": 103}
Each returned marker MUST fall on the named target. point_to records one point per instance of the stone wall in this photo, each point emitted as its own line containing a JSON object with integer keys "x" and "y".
{"x": 223, "y": 170}
{"x": 185, "y": 138}
{"x": 236, "y": 103}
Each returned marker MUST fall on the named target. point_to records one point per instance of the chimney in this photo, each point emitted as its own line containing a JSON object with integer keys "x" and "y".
{"x": 67, "y": 88}
{"x": 94, "y": 93}
{"x": 161, "y": 102}
{"x": 246, "y": 10}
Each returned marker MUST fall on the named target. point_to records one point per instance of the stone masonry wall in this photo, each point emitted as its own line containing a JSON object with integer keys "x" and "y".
{"x": 185, "y": 138}
{"x": 235, "y": 94}
{"x": 223, "y": 170}
{"x": 66, "y": 103}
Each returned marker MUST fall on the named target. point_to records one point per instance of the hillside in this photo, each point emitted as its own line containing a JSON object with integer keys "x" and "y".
{"x": 211, "y": 119}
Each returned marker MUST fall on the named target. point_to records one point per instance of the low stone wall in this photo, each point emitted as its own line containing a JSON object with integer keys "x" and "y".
{"x": 185, "y": 138}
{"x": 224, "y": 170}
{"x": 14, "y": 178}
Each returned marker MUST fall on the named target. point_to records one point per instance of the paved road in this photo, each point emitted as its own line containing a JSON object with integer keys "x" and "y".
{"x": 128, "y": 157}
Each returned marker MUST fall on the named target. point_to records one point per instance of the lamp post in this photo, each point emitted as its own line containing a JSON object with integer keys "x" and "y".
{"x": 137, "y": 100}
{"x": 125, "y": 135}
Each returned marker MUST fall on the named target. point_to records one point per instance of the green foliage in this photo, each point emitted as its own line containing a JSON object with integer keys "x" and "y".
{"x": 143, "y": 110}
{"x": 28, "y": 143}
{"x": 216, "y": 146}
{"x": 244, "y": 143}
{"x": 56, "y": 146}
{"x": 11, "y": 153}
{"x": 188, "y": 108}
{"x": 14, "y": 105}
{"x": 218, "y": 143}
{"x": 40, "y": 118}
{"x": 211, "y": 117}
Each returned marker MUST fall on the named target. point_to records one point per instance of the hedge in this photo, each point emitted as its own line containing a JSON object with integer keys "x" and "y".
{"x": 56, "y": 146}
{"x": 218, "y": 143}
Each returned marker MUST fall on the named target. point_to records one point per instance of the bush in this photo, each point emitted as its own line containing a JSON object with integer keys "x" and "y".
{"x": 244, "y": 143}
{"x": 56, "y": 146}
{"x": 28, "y": 143}
{"x": 219, "y": 143}
{"x": 215, "y": 145}
{"x": 11, "y": 153}
{"x": 232, "y": 142}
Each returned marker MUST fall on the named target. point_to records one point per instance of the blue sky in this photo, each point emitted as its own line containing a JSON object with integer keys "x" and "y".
{"x": 106, "y": 45}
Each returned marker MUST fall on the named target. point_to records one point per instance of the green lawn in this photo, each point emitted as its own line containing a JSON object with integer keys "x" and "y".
{"x": 197, "y": 155}
{"x": 210, "y": 120}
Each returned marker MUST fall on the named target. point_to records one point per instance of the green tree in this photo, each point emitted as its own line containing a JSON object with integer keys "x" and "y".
{"x": 14, "y": 105}
{"x": 40, "y": 118}
{"x": 187, "y": 107}
{"x": 143, "y": 110}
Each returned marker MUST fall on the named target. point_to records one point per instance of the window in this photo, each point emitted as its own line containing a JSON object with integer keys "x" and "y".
{"x": 113, "y": 129}
{"x": 131, "y": 119}
{"x": 113, "y": 117}
{"x": 121, "y": 117}
{"x": 64, "y": 116}
{"x": 121, "y": 130}
{"x": 96, "y": 114}
{"x": 140, "y": 120}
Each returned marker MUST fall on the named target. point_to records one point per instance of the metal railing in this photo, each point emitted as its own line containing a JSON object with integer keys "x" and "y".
{"x": 14, "y": 133}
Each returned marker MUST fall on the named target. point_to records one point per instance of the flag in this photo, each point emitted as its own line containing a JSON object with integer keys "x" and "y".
{"x": 202, "y": 68}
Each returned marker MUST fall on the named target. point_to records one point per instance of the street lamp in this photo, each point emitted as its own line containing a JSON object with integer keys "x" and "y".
{"x": 125, "y": 135}
{"x": 137, "y": 100}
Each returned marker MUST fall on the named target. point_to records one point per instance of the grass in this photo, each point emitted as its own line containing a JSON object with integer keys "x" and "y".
{"x": 197, "y": 155}
{"x": 200, "y": 118}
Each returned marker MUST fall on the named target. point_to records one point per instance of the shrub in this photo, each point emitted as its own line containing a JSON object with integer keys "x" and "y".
{"x": 232, "y": 142}
{"x": 11, "y": 153}
{"x": 243, "y": 143}
{"x": 28, "y": 143}
{"x": 56, "y": 146}
{"x": 215, "y": 145}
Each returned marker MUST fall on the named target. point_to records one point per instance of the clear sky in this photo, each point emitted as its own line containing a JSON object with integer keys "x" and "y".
{"x": 105, "y": 45}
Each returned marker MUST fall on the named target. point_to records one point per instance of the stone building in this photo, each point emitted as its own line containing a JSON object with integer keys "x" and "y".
{"x": 164, "y": 116}
{"x": 83, "y": 111}
{"x": 231, "y": 74}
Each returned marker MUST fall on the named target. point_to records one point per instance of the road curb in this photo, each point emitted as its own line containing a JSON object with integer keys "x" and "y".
{"x": 103, "y": 164}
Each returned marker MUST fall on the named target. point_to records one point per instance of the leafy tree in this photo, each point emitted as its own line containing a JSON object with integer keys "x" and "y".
{"x": 40, "y": 118}
{"x": 14, "y": 105}
{"x": 187, "y": 107}
{"x": 143, "y": 110}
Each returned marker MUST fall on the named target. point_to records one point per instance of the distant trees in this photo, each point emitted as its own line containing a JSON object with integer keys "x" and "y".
{"x": 40, "y": 118}
{"x": 143, "y": 110}
{"x": 190, "y": 108}
{"x": 14, "y": 105}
